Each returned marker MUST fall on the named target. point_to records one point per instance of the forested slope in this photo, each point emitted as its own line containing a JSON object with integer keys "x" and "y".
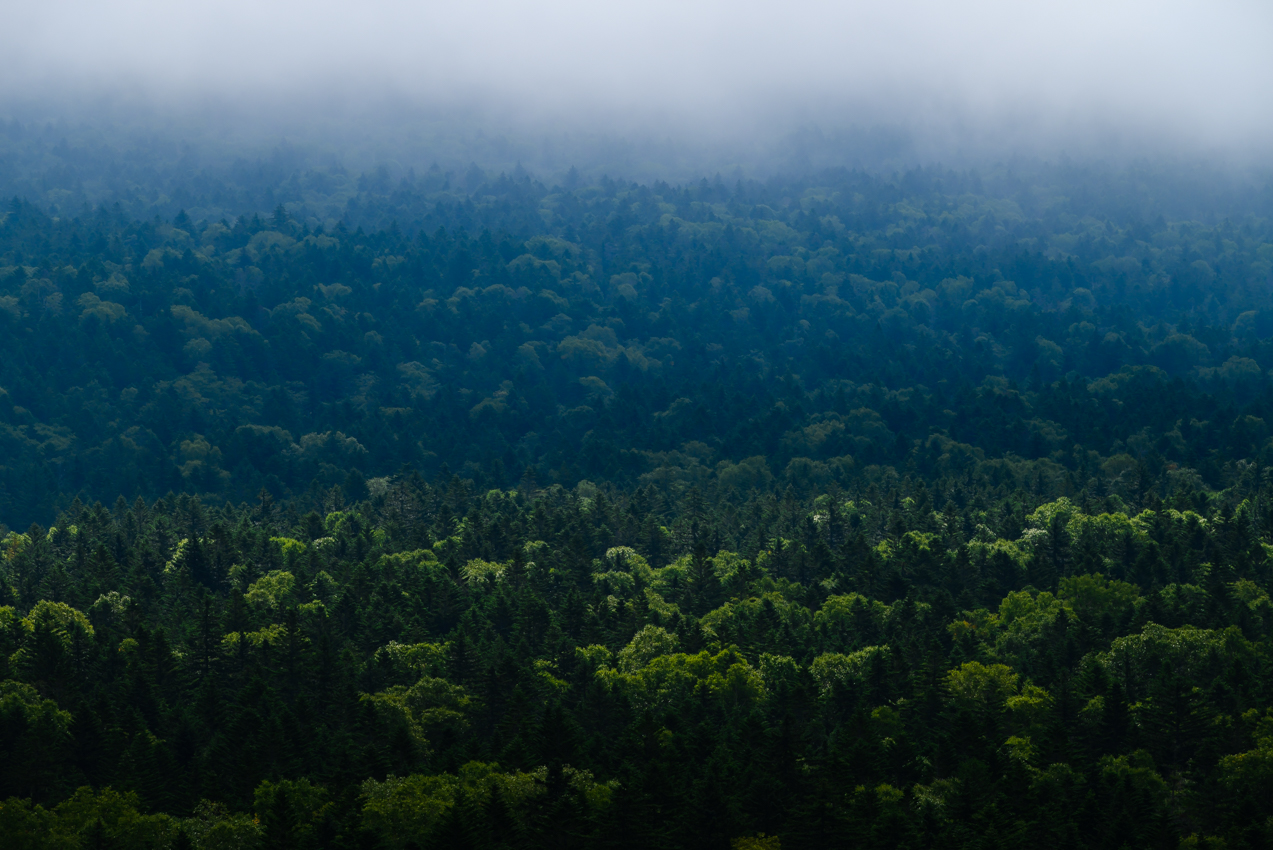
{"x": 854, "y": 510}
{"x": 725, "y": 337}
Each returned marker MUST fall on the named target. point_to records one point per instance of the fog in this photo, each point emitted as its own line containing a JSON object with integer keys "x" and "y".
{"x": 686, "y": 85}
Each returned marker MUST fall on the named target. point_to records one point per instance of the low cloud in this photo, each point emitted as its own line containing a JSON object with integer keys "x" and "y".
{"x": 989, "y": 73}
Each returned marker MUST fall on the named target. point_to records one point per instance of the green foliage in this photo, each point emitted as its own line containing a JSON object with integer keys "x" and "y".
{"x": 509, "y": 670}
{"x": 981, "y": 689}
{"x": 840, "y": 511}
{"x": 35, "y": 738}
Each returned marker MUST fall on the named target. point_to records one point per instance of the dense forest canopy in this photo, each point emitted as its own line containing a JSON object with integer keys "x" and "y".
{"x": 725, "y": 336}
{"x": 454, "y": 508}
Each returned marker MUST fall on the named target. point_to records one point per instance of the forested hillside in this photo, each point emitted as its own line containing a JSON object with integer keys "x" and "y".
{"x": 463, "y": 510}
{"x": 845, "y": 328}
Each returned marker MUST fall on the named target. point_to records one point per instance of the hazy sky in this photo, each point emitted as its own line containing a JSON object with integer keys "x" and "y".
{"x": 1194, "y": 72}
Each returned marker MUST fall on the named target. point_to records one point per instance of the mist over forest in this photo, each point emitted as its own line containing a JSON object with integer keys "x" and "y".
{"x": 689, "y": 425}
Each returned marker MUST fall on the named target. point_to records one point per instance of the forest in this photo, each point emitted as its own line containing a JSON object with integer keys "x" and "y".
{"x": 455, "y": 508}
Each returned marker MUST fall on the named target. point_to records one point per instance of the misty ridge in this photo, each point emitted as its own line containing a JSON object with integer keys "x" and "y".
{"x": 143, "y": 102}
{"x": 232, "y": 160}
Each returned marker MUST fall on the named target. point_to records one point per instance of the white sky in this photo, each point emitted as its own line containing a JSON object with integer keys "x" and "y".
{"x": 1198, "y": 72}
